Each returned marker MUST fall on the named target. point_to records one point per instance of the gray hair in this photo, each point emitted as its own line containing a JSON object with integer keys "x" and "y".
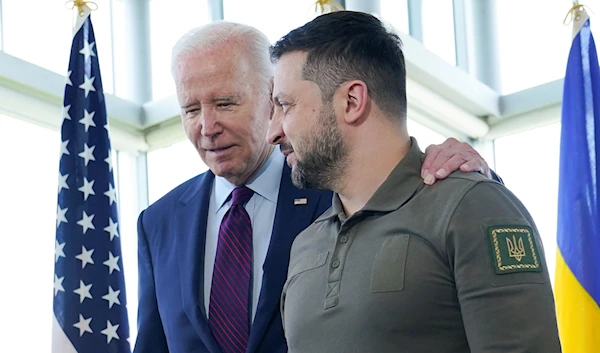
{"x": 255, "y": 45}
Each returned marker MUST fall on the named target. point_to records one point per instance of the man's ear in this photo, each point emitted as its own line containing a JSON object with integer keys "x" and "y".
{"x": 356, "y": 96}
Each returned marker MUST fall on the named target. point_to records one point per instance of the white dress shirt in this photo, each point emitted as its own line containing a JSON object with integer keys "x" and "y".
{"x": 261, "y": 209}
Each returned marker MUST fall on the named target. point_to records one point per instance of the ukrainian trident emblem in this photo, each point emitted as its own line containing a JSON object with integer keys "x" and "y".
{"x": 516, "y": 249}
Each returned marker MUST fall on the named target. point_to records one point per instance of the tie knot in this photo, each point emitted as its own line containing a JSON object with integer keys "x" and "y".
{"x": 241, "y": 195}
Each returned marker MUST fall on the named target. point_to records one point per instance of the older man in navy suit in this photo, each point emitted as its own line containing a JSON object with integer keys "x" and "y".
{"x": 214, "y": 252}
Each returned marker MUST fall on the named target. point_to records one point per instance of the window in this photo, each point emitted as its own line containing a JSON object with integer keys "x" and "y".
{"x": 274, "y": 18}
{"x": 171, "y": 166}
{"x": 533, "y": 43}
{"x": 396, "y": 13}
{"x": 41, "y": 31}
{"x": 170, "y": 20}
{"x": 30, "y": 182}
{"x": 30, "y": 228}
{"x": 438, "y": 28}
{"x": 126, "y": 183}
{"x": 531, "y": 173}
{"x": 424, "y": 135}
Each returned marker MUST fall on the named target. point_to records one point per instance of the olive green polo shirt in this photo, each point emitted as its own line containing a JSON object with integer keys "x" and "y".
{"x": 450, "y": 268}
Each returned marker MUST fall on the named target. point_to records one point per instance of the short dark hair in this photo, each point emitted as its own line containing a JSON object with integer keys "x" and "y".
{"x": 348, "y": 45}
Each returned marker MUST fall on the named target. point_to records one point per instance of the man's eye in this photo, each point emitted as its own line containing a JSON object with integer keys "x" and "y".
{"x": 225, "y": 105}
{"x": 192, "y": 111}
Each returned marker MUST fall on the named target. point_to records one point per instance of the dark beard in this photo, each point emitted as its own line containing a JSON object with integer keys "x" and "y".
{"x": 325, "y": 155}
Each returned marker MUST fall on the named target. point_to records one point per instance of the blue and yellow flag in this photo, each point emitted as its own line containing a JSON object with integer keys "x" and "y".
{"x": 577, "y": 284}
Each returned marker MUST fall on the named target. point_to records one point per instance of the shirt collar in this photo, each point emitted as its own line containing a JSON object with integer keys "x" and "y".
{"x": 264, "y": 183}
{"x": 401, "y": 185}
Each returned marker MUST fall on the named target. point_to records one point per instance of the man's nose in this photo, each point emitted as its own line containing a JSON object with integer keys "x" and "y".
{"x": 275, "y": 133}
{"x": 210, "y": 123}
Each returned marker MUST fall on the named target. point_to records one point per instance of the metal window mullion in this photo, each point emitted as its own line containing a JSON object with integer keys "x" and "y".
{"x": 415, "y": 19}
{"x": 216, "y": 10}
{"x": 1, "y": 29}
{"x": 460, "y": 35}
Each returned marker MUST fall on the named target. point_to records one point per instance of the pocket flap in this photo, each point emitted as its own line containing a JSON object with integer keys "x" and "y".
{"x": 308, "y": 263}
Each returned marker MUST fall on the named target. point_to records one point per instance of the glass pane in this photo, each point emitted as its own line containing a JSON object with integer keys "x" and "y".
{"x": 533, "y": 43}
{"x": 528, "y": 163}
{"x": 273, "y": 17}
{"x": 40, "y": 31}
{"x": 168, "y": 22}
{"x": 30, "y": 154}
{"x": 438, "y": 28}
{"x": 424, "y": 135}
{"x": 127, "y": 191}
{"x": 395, "y": 12}
{"x": 171, "y": 166}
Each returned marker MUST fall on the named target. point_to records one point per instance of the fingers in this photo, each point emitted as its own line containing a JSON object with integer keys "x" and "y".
{"x": 432, "y": 152}
{"x": 442, "y": 160}
{"x": 449, "y": 160}
{"x": 477, "y": 165}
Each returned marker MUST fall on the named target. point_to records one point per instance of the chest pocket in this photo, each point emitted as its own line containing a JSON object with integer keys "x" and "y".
{"x": 308, "y": 263}
{"x": 390, "y": 262}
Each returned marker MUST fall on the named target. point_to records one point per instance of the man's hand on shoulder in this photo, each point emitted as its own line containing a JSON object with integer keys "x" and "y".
{"x": 452, "y": 155}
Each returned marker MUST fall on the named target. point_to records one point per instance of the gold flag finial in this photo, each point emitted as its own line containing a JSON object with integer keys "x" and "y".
{"x": 331, "y": 5}
{"x": 575, "y": 12}
{"x": 80, "y": 4}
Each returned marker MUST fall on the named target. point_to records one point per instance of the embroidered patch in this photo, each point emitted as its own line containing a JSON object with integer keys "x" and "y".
{"x": 513, "y": 249}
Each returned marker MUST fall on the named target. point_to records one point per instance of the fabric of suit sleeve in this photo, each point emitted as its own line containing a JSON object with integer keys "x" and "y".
{"x": 151, "y": 336}
{"x": 507, "y": 312}
{"x": 496, "y": 177}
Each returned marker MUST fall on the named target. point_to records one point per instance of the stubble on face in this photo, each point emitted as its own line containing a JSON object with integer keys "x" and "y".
{"x": 324, "y": 154}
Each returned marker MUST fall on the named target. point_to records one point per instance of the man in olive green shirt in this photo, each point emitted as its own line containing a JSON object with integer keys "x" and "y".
{"x": 394, "y": 265}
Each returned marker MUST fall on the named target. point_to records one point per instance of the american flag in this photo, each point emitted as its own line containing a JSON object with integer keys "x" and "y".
{"x": 89, "y": 288}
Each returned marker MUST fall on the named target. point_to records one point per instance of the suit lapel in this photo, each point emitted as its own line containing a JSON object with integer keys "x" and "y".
{"x": 190, "y": 224}
{"x": 290, "y": 219}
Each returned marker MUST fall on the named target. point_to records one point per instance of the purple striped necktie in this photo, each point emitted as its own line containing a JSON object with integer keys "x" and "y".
{"x": 230, "y": 294}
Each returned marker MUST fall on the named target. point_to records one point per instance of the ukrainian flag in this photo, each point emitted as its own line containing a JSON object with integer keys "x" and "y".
{"x": 577, "y": 286}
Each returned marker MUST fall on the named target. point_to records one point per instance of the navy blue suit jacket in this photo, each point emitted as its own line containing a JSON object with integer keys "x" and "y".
{"x": 171, "y": 315}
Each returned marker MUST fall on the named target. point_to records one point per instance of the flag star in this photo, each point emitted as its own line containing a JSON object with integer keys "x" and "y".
{"x": 65, "y": 113}
{"x": 86, "y": 222}
{"x": 62, "y": 182}
{"x": 83, "y": 291}
{"x": 63, "y": 148}
{"x": 108, "y": 160}
{"x": 69, "y": 79}
{"x": 58, "y": 287}
{"x": 112, "y": 262}
{"x": 110, "y": 331}
{"x": 88, "y": 119}
{"x": 83, "y": 325}
{"x": 87, "y": 154}
{"x": 85, "y": 256}
{"x": 112, "y": 228}
{"x": 87, "y": 85}
{"x": 87, "y": 188}
{"x": 61, "y": 215}
{"x": 111, "y": 194}
{"x": 88, "y": 50}
{"x": 112, "y": 297}
{"x": 59, "y": 251}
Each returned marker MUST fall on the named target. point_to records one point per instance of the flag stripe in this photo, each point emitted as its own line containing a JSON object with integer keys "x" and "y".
{"x": 578, "y": 314}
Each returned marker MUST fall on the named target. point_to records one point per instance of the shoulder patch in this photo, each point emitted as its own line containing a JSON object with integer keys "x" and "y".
{"x": 513, "y": 249}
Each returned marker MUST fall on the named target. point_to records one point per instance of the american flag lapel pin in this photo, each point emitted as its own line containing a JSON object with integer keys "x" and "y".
{"x": 300, "y": 201}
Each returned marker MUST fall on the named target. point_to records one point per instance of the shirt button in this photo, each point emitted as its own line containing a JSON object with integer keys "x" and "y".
{"x": 335, "y": 263}
{"x": 344, "y": 239}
